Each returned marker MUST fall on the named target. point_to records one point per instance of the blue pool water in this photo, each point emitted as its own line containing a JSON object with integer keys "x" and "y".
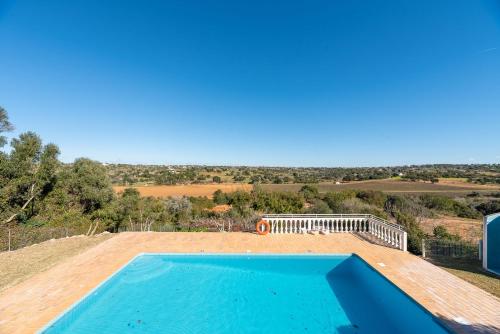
{"x": 227, "y": 294}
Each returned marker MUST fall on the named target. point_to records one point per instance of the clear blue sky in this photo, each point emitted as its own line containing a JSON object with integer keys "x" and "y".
{"x": 298, "y": 83}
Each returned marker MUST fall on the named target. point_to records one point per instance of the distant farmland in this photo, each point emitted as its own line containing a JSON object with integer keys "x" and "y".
{"x": 393, "y": 186}
{"x": 186, "y": 190}
{"x": 446, "y": 187}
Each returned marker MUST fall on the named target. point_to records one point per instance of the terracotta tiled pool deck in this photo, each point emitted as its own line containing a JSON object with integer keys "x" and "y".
{"x": 30, "y": 305}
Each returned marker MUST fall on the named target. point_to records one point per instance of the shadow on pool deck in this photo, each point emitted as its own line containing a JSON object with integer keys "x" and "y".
{"x": 468, "y": 328}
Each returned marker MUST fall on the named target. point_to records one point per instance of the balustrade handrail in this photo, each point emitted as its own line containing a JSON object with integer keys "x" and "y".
{"x": 340, "y": 215}
{"x": 299, "y": 215}
{"x": 385, "y": 222}
{"x": 390, "y": 234}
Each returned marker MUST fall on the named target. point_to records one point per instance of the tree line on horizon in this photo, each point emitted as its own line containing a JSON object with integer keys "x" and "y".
{"x": 38, "y": 191}
{"x": 126, "y": 174}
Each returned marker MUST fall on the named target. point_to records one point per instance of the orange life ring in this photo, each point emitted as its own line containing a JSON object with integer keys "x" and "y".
{"x": 259, "y": 229}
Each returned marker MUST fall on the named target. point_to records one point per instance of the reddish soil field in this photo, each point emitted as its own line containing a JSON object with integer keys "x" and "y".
{"x": 186, "y": 190}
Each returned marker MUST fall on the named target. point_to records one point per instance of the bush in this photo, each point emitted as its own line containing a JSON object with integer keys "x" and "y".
{"x": 488, "y": 208}
{"x": 219, "y": 197}
{"x": 376, "y": 198}
{"x": 319, "y": 207}
{"x": 414, "y": 233}
{"x": 240, "y": 202}
{"x": 277, "y": 202}
{"x": 200, "y": 205}
{"x": 448, "y": 205}
{"x": 335, "y": 199}
{"x": 440, "y": 232}
{"x": 309, "y": 192}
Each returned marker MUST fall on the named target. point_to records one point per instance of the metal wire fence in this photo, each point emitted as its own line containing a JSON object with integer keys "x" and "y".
{"x": 433, "y": 248}
{"x": 145, "y": 228}
{"x": 21, "y": 236}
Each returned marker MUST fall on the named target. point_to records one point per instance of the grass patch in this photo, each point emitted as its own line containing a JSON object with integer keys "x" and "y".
{"x": 23, "y": 263}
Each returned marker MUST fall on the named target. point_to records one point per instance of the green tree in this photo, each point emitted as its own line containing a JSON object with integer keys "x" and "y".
{"x": 5, "y": 126}
{"x": 88, "y": 181}
{"x": 309, "y": 192}
{"x": 219, "y": 197}
{"x": 180, "y": 209}
{"x": 27, "y": 175}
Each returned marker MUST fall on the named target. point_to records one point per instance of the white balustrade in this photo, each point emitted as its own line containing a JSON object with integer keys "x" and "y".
{"x": 391, "y": 234}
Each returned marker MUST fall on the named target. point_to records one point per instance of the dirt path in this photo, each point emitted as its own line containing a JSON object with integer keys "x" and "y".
{"x": 23, "y": 263}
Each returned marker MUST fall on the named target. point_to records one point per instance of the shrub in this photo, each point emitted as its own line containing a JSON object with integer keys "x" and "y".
{"x": 309, "y": 192}
{"x": 335, "y": 199}
{"x": 376, "y": 198}
{"x": 219, "y": 197}
{"x": 200, "y": 205}
{"x": 487, "y": 208}
{"x": 448, "y": 205}
{"x": 277, "y": 202}
{"x": 414, "y": 233}
{"x": 319, "y": 207}
{"x": 441, "y": 232}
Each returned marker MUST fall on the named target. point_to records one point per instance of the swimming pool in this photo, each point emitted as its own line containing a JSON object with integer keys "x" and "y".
{"x": 165, "y": 293}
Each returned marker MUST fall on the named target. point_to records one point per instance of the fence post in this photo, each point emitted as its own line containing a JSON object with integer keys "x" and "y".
{"x": 405, "y": 242}
{"x": 423, "y": 248}
{"x": 9, "y": 239}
